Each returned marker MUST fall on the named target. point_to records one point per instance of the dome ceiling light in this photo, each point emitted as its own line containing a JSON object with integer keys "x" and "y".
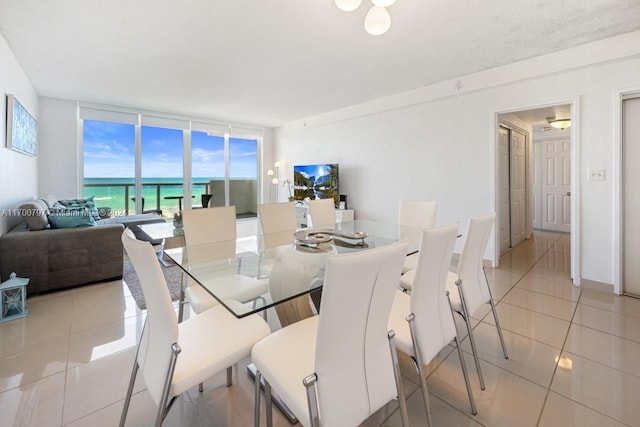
{"x": 561, "y": 124}
{"x": 377, "y": 21}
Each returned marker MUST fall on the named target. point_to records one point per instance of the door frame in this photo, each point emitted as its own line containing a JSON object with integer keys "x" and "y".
{"x": 575, "y": 176}
{"x": 618, "y": 200}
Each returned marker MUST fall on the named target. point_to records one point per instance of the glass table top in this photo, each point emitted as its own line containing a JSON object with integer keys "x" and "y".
{"x": 277, "y": 264}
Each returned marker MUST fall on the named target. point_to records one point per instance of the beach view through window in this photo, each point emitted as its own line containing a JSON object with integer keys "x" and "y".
{"x": 109, "y": 168}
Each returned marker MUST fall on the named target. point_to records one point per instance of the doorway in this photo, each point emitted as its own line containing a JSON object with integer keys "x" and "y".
{"x": 547, "y": 175}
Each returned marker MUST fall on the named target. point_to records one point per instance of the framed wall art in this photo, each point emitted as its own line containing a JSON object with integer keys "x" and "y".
{"x": 22, "y": 128}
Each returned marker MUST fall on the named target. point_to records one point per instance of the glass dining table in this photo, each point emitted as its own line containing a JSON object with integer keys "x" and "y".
{"x": 292, "y": 263}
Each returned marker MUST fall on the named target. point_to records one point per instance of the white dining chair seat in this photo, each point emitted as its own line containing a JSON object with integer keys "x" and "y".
{"x": 286, "y": 367}
{"x": 406, "y": 280}
{"x": 231, "y": 340}
{"x": 199, "y": 299}
{"x": 236, "y": 286}
{"x": 398, "y": 323}
{"x": 410, "y": 263}
{"x": 454, "y": 295}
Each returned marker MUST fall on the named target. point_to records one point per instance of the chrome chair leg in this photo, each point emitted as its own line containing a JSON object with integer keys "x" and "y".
{"x": 229, "y": 376}
{"x": 127, "y": 399}
{"x": 181, "y": 301}
{"x": 419, "y": 363}
{"x": 268, "y": 404}
{"x": 163, "y": 407}
{"x": 467, "y": 319}
{"x": 312, "y": 400}
{"x": 402, "y": 400}
{"x": 463, "y": 364}
{"x": 264, "y": 302}
{"x": 465, "y": 374}
{"x": 256, "y": 400}
{"x": 495, "y": 317}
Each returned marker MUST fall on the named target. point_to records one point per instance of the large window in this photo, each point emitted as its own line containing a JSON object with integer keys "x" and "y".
{"x": 161, "y": 170}
{"x": 109, "y": 163}
{"x": 161, "y": 165}
{"x": 243, "y": 173}
{"x": 208, "y": 168}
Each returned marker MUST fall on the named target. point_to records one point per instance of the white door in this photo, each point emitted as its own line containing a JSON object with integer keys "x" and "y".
{"x": 556, "y": 185}
{"x": 518, "y": 187}
{"x": 631, "y": 195}
{"x": 503, "y": 170}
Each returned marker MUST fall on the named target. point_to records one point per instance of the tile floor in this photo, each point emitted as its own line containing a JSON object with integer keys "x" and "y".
{"x": 575, "y": 359}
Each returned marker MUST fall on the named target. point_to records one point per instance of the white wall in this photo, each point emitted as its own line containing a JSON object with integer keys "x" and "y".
{"x": 439, "y": 143}
{"x": 60, "y": 158}
{"x": 18, "y": 172}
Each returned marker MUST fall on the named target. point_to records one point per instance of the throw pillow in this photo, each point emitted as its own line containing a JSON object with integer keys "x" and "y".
{"x": 34, "y": 214}
{"x": 82, "y": 203}
{"x": 71, "y": 218}
{"x": 50, "y": 200}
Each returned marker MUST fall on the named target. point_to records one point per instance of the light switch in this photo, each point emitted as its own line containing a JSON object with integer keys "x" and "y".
{"x": 596, "y": 174}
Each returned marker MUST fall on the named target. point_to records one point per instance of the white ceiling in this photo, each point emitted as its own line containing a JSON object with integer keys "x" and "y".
{"x": 269, "y": 62}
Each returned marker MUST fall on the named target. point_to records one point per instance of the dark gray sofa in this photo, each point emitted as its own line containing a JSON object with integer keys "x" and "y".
{"x": 56, "y": 259}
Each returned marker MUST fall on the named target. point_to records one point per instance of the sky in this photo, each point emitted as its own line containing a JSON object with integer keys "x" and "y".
{"x": 109, "y": 152}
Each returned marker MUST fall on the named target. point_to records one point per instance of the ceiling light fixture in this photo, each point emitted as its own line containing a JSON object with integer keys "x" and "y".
{"x": 377, "y": 21}
{"x": 348, "y": 5}
{"x": 561, "y": 124}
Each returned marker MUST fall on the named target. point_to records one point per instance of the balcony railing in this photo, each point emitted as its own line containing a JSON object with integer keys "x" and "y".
{"x": 165, "y": 197}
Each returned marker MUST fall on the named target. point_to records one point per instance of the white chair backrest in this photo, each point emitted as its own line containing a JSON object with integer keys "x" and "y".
{"x": 322, "y": 213}
{"x": 277, "y": 223}
{"x": 470, "y": 269}
{"x": 434, "y": 323}
{"x": 353, "y": 360}
{"x": 418, "y": 213}
{"x": 161, "y": 329}
{"x": 209, "y": 225}
{"x": 215, "y": 227}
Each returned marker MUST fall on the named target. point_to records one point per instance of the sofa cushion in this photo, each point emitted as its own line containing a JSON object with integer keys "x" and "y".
{"x": 71, "y": 217}
{"x": 82, "y": 203}
{"x": 34, "y": 214}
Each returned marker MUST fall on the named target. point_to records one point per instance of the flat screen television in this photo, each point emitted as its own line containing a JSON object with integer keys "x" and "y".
{"x": 316, "y": 182}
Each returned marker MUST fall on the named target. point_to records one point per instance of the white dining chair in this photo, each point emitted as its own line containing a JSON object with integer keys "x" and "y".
{"x": 468, "y": 288}
{"x": 340, "y": 366}
{"x": 322, "y": 213}
{"x": 416, "y": 214}
{"x": 174, "y": 357}
{"x": 277, "y": 224}
{"x": 423, "y": 320}
{"x": 216, "y": 225}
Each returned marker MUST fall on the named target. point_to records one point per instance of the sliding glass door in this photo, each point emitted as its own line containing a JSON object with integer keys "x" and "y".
{"x": 208, "y": 169}
{"x": 144, "y": 163}
{"x": 161, "y": 170}
{"x": 243, "y": 175}
{"x": 109, "y": 164}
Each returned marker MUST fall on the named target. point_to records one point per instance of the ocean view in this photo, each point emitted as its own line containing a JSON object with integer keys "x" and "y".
{"x": 111, "y": 192}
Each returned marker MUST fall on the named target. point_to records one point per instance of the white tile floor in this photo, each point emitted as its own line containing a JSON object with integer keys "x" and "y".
{"x": 575, "y": 359}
